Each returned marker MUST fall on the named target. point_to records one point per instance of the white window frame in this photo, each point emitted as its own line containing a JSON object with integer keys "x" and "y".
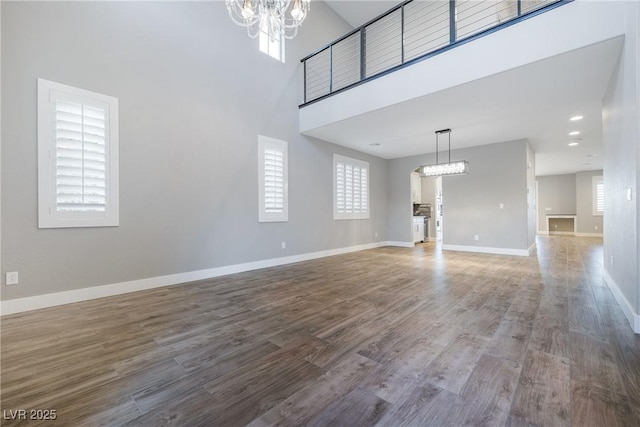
{"x": 595, "y": 181}
{"x": 340, "y": 214}
{"x": 264, "y": 214}
{"x": 48, "y": 215}
{"x": 274, "y": 48}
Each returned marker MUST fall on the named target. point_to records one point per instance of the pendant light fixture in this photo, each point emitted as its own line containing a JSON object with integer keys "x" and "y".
{"x": 449, "y": 168}
{"x": 281, "y": 17}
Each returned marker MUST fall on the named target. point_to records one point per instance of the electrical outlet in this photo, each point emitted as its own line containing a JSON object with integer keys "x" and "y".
{"x": 476, "y": 237}
{"x": 629, "y": 194}
{"x": 595, "y": 227}
{"x": 501, "y": 205}
{"x": 375, "y": 234}
{"x": 284, "y": 245}
{"x": 555, "y": 225}
{"x": 11, "y": 278}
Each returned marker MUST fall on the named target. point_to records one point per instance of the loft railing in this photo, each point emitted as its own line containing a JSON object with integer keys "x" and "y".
{"x": 407, "y": 33}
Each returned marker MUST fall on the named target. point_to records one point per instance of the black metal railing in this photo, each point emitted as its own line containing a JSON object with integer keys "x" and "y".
{"x": 407, "y": 33}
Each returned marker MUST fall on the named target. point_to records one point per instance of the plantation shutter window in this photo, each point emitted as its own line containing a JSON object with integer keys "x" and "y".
{"x": 351, "y": 188}
{"x": 274, "y": 181}
{"x": 598, "y": 195}
{"x": 77, "y": 157}
{"x": 81, "y": 180}
{"x": 273, "y": 177}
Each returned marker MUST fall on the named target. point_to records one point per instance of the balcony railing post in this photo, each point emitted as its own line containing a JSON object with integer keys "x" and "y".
{"x": 363, "y": 55}
{"x": 452, "y": 21}
{"x": 304, "y": 70}
{"x": 519, "y": 7}
{"x": 330, "y": 68}
{"x": 402, "y": 33}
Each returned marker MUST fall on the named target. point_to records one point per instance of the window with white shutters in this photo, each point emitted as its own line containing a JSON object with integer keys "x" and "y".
{"x": 273, "y": 180}
{"x": 77, "y": 157}
{"x": 351, "y": 188}
{"x": 598, "y": 195}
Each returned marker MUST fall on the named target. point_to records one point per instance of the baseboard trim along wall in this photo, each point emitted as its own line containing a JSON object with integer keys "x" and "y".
{"x": 401, "y": 244}
{"x": 19, "y": 305}
{"x": 532, "y": 249}
{"x": 568, "y": 233}
{"x": 487, "y": 250}
{"x": 627, "y": 309}
{"x": 561, "y": 233}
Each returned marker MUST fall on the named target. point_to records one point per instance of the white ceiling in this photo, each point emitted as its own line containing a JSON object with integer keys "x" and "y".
{"x": 359, "y": 12}
{"x": 533, "y": 102}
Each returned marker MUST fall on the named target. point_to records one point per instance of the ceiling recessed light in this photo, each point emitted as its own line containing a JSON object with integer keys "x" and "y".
{"x": 587, "y": 164}
{"x": 574, "y": 133}
{"x": 591, "y": 155}
{"x": 573, "y": 144}
{"x": 375, "y": 144}
{"x": 576, "y": 118}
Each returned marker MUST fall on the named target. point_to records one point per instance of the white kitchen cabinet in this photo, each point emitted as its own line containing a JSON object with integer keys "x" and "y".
{"x": 418, "y": 229}
{"x": 416, "y": 188}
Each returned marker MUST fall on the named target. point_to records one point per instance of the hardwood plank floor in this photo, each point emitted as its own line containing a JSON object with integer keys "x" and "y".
{"x": 385, "y": 337}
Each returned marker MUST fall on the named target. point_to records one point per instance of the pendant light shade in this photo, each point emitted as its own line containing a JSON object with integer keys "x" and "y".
{"x": 450, "y": 168}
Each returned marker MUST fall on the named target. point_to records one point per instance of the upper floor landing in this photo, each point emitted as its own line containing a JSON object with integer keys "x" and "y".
{"x": 422, "y": 48}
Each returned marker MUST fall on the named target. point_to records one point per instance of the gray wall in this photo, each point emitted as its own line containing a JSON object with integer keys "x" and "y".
{"x": 587, "y": 222}
{"x": 621, "y": 114}
{"x": 470, "y": 202}
{"x": 531, "y": 196}
{"x": 558, "y": 194}
{"x": 194, "y": 94}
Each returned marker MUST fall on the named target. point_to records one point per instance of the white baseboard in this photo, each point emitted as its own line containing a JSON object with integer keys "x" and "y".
{"x": 627, "y": 309}
{"x": 568, "y": 233}
{"x": 532, "y": 249}
{"x": 588, "y": 234}
{"x": 67, "y": 297}
{"x": 401, "y": 244}
{"x": 487, "y": 250}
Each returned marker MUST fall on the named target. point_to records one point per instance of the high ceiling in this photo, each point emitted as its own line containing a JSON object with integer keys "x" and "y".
{"x": 533, "y": 102}
{"x": 359, "y": 12}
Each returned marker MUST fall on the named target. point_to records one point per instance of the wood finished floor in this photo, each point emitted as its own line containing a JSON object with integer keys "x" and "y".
{"x": 386, "y": 337}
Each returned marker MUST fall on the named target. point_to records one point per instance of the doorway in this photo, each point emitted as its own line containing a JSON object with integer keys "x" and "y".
{"x": 424, "y": 191}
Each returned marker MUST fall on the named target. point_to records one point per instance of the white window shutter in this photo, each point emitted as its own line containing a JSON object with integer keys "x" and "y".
{"x": 77, "y": 157}
{"x": 81, "y": 170}
{"x": 273, "y": 179}
{"x": 598, "y": 195}
{"x": 351, "y": 188}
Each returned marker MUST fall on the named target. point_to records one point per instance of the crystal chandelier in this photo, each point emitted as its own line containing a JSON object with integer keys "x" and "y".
{"x": 449, "y": 168}
{"x": 274, "y": 17}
